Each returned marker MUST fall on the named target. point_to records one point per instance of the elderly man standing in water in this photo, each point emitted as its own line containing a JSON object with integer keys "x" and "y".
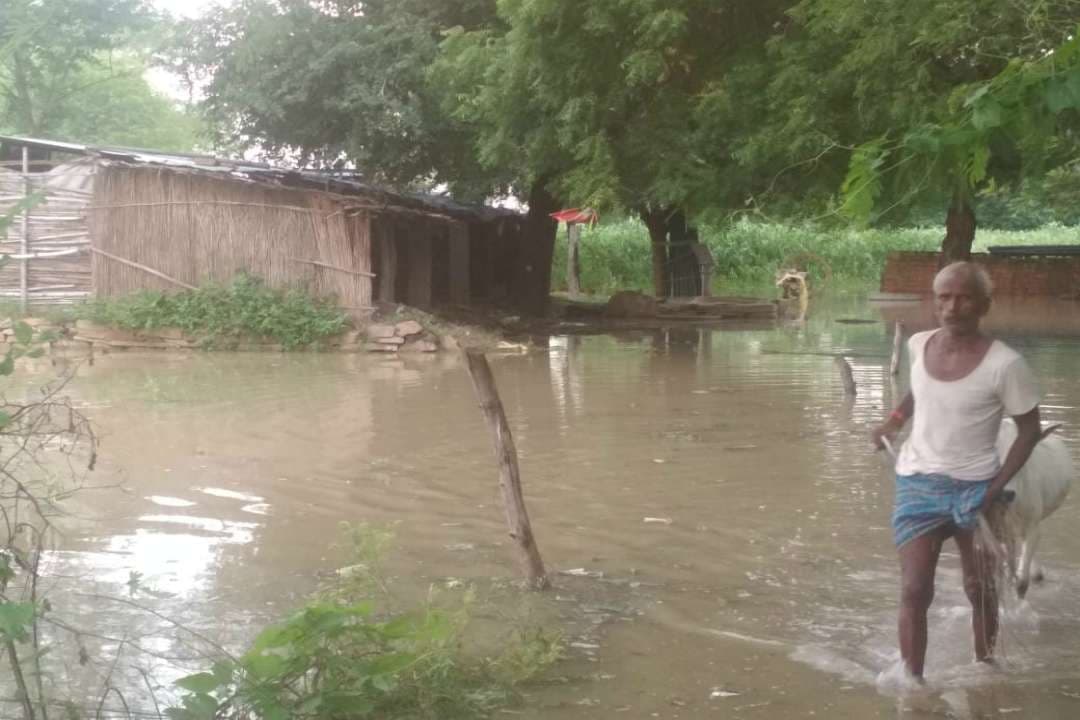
{"x": 948, "y": 472}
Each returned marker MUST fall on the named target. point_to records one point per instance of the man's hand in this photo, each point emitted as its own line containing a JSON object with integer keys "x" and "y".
{"x": 989, "y": 501}
{"x": 895, "y": 422}
{"x": 887, "y": 429}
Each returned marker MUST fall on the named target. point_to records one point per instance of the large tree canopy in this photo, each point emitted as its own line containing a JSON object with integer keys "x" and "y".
{"x": 336, "y": 83}
{"x": 673, "y": 109}
{"x": 855, "y": 80}
{"x": 74, "y": 69}
{"x": 624, "y": 104}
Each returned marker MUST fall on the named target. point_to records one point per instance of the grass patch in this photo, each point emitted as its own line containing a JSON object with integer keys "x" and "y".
{"x": 224, "y": 314}
{"x": 617, "y": 256}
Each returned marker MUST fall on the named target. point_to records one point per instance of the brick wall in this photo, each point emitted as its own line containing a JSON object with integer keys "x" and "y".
{"x": 913, "y": 272}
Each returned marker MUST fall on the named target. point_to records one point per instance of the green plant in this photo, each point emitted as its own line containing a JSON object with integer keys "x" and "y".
{"x": 32, "y": 486}
{"x": 224, "y": 314}
{"x": 338, "y": 659}
{"x": 615, "y": 256}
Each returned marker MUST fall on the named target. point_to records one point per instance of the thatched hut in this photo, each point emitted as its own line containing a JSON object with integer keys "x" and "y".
{"x": 110, "y": 221}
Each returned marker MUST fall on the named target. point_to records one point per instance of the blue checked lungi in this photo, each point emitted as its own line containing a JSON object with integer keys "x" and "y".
{"x": 926, "y": 502}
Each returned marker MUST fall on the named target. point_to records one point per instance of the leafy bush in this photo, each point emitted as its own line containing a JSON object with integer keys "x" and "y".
{"x": 224, "y": 314}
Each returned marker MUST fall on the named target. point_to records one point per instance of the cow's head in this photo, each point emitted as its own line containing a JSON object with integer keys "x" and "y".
{"x": 792, "y": 282}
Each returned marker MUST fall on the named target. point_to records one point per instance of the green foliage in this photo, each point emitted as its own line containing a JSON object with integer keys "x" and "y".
{"x": 862, "y": 186}
{"x": 223, "y": 315}
{"x": 75, "y": 69}
{"x": 969, "y": 95}
{"x": 116, "y": 106}
{"x": 615, "y": 255}
{"x": 621, "y": 104}
{"x": 16, "y": 620}
{"x": 339, "y": 86}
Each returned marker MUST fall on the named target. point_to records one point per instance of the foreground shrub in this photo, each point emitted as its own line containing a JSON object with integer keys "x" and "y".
{"x": 223, "y": 314}
{"x": 338, "y": 659}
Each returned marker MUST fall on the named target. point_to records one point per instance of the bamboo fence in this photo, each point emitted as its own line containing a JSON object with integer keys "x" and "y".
{"x": 47, "y": 244}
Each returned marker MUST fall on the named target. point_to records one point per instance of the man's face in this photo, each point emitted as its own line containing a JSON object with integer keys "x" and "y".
{"x": 958, "y": 304}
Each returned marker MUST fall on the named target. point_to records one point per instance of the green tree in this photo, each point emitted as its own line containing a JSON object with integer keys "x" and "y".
{"x": 332, "y": 85}
{"x": 117, "y": 106}
{"x": 899, "y": 83}
{"x": 75, "y": 69}
{"x": 612, "y": 100}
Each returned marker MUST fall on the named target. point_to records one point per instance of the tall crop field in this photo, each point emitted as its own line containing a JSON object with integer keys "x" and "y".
{"x": 616, "y": 255}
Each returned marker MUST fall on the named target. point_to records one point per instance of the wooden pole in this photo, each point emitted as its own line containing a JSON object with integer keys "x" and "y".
{"x": 144, "y": 268}
{"x": 573, "y": 260}
{"x": 328, "y": 266}
{"x": 24, "y": 242}
{"x": 517, "y": 518}
{"x": 897, "y": 348}
{"x": 846, "y": 375}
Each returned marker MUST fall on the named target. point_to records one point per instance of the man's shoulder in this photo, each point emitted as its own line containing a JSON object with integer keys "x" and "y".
{"x": 917, "y": 340}
{"x": 1003, "y": 352}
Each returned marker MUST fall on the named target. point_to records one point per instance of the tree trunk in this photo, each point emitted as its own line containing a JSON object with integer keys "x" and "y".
{"x": 684, "y": 278}
{"x": 517, "y": 517}
{"x": 959, "y": 230}
{"x": 656, "y": 222}
{"x": 573, "y": 260}
{"x": 24, "y": 100}
{"x": 538, "y": 250}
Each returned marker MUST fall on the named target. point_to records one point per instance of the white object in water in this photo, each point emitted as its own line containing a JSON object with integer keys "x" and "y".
{"x": 1041, "y": 487}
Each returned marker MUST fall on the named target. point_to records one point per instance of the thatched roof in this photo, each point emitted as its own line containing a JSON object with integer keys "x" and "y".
{"x": 271, "y": 176}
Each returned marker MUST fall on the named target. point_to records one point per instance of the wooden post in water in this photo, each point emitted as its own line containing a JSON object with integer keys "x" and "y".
{"x": 517, "y": 518}
{"x": 846, "y": 375}
{"x": 897, "y": 347}
{"x": 573, "y": 260}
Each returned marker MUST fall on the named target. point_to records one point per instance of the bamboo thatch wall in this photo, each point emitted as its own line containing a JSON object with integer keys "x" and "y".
{"x": 56, "y": 252}
{"x": 192, "y": 228}
{"x": 110, "y": 228}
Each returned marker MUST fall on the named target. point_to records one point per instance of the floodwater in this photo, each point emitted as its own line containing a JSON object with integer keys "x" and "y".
{"x": 712, "y": 489}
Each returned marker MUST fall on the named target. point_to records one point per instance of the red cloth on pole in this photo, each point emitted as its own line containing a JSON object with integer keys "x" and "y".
{"x": 575, "y": 216}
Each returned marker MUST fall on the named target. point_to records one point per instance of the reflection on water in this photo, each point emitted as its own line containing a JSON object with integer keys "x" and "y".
{"x": 766, "y": 589}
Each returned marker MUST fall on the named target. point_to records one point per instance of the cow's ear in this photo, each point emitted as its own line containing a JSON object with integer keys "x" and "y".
{"x": 801, "y": 274}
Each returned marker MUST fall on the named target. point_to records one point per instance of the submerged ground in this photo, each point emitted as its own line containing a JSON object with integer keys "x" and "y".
{"x": 711, "y": 489}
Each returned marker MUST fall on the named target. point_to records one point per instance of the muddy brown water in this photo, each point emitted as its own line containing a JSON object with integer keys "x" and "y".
{"x": 715, "y": 477}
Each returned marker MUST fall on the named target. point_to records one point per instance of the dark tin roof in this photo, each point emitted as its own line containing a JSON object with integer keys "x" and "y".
{"x": 211, "y": 165}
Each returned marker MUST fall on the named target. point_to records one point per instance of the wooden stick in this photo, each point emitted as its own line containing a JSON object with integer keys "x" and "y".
{"x": 573, "y": 261}
{"x": 24, "y": 241}
{"x": 230, "y": 203}
{"x": 137, "y": 266}
{"x": 897, "y": 348}
{"x": 48, "y": 254}
{"x": 328, "y": 266}
{"x": 517, "y": 518}
{"x": 846, "y": 375}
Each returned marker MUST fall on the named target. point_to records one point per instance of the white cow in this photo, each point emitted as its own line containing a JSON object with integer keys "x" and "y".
{"x": 1040, "y": 487}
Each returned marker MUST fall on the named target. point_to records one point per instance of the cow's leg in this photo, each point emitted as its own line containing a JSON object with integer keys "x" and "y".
{"x": 1027, "y": 553}
{"x": 977, "y": 563}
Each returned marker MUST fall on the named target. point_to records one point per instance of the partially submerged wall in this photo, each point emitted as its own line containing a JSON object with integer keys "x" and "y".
{"x": 913, "y": 272}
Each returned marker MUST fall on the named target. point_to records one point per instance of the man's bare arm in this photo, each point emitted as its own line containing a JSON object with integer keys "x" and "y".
{"x": 1028, "y": 434}
{"x": 896, "y": 421}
